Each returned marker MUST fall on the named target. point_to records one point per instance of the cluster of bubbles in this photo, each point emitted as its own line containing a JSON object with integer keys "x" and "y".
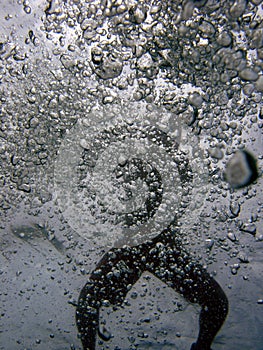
{"x": 197, "y": 62}
{"x": 118, "y": 116}
{"x": 125, "y": 178}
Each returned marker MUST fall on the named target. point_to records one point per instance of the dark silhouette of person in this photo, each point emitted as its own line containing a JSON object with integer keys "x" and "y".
{"x": 164, "y": 256}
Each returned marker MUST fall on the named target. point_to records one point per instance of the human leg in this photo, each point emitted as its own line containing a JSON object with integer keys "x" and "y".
{"x": 87, "y": 315}
{"x": 166, "y": 259}
{"x": 110, "y": 281}
{"x": 173, "y": 265}
{"x": 214, "y": 309}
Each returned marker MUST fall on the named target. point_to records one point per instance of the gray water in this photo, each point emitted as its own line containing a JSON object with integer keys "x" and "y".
{"x": 68, "y": 72}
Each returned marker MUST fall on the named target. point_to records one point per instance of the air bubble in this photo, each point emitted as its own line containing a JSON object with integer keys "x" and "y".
{"x": 231, "y": 236}
{"x": 249, "y": 228}
{"x": 104, "y": 333}
{"x": 216, "y": 153}
{"x": 241, "y": 170}
{"x": 27, "y": 9}
{"x": 234, "y": 208}
{"x": 106, "y": 65}
{"x": 248, "y": 74}
{"x": 224, "y": 39}
{"x": 238, "y": 8}
{"x": 259, "y": 84}
{"x": 196, "y": 100}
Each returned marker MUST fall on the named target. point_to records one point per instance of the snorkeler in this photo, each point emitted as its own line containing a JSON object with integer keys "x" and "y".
{"x": 164, "y": 257}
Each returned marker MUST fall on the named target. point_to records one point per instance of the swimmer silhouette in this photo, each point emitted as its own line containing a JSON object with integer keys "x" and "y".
{"x": 164, "y": 257}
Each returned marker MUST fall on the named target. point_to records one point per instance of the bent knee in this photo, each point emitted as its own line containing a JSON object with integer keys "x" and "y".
{"x": 217, "y": 302}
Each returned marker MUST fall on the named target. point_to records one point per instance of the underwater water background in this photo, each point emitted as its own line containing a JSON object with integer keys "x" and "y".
{"x": 70, "y": 70}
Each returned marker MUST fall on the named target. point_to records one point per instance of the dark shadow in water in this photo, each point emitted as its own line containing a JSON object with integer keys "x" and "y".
{"x": 165, "y": 258}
